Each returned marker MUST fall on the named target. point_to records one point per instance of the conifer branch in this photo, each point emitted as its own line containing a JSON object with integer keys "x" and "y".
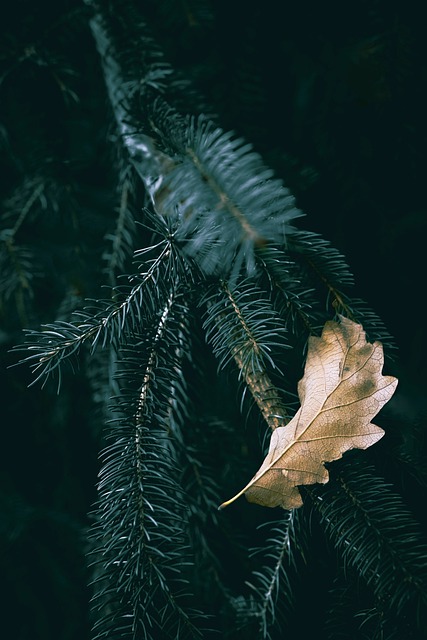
{"x": 194, "y": 172}
{"x": 142, "y": 531}
{"x": 36, "y": 188}
{"x": 61, "y": 340}
{"x": 122, "y": 238}
{"x": 149, "y": 162}
{"x": 291, "y": 302}
{"x": 320, "y": 263}
{"x": 324, "y": 262}
{"x": 17, "y": 262}
{"x": 221, "y": 278}
{"x": 241, "y": 326}
{"x": 377, "y": 538}
{"x": 274, "y": 582}
{"x": 231, "y": 203}
{"x": 224, "y": 202}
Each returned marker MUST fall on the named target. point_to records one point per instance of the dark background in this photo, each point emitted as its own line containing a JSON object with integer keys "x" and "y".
{"x": 332, "y": 94}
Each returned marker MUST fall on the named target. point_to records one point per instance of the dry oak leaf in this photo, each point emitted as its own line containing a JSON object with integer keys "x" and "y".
{"x": 341, "y": 391}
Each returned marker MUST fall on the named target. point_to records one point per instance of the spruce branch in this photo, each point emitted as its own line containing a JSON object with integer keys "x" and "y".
{"x": 122, "y": 86}
{"x": 33, "y": 191}
{"x": 319, "y": 260}
{"x": 17, "y": 272}
{"x": 106, "y": 323}
{"x": 217, "y": 241}
{"x": 242, "y": 326}
{"x": 229, "y": 202}
{"x": 315, "y": 262}
{"x": 141, "y": 535}
{"x": 18, "y": 267}
{"x": 272, "y": 582}
{"x": 279, "y": 274}
{"x": 378, "y": 538}
{"x": 192, "y": 170}
{"x": 123, "y": 237}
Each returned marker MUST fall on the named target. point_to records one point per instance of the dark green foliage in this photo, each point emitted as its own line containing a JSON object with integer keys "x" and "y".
{"x": 242, "y": 322}
{"x": 158, "y": 283}
{"x": 140, "y": 547}
{"x": 378, "y": 540}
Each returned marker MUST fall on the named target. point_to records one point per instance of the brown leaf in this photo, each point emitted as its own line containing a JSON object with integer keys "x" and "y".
{"x": 341, "y": 391}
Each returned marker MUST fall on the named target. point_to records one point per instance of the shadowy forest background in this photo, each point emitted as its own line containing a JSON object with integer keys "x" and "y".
{"x": 332, "y": 96}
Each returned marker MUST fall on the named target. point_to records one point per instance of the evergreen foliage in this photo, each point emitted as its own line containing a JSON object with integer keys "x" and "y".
{"x": 161, "y": 270}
